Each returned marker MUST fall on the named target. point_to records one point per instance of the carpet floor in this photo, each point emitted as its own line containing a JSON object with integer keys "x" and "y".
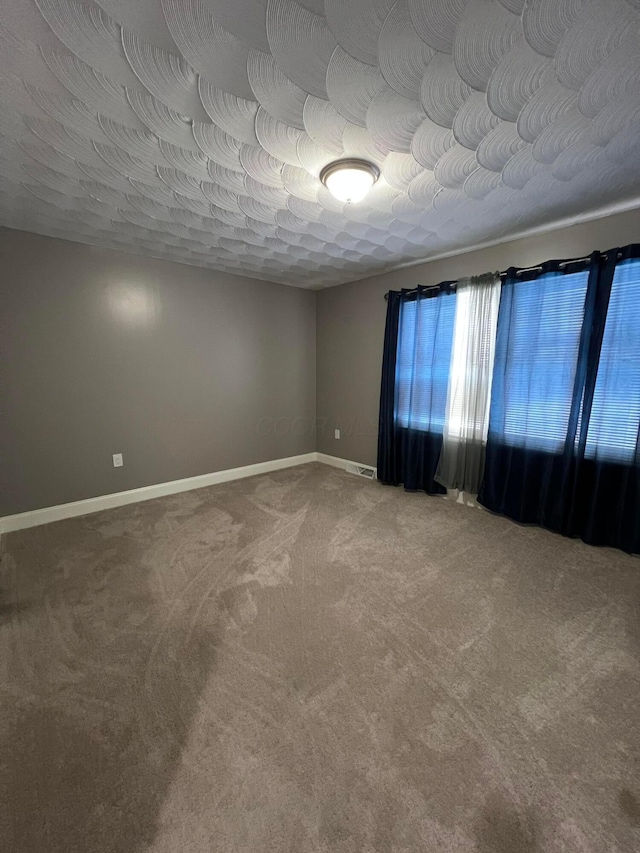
{"x": 307, "y": 662}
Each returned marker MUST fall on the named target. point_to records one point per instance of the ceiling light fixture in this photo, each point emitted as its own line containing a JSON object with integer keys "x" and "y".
{"x": 349, "y": 180}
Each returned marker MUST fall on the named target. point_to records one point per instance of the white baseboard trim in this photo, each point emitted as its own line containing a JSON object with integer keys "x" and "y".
{"x": 36, "y": 517}
{"x": 337, "y": 462}
{"x": 48, "y": 514}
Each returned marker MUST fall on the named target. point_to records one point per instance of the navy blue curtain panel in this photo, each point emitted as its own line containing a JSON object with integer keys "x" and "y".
{"x": 563, "y": 449}
{"x": 415, "y": 378}
{"x": 389, "y": 463}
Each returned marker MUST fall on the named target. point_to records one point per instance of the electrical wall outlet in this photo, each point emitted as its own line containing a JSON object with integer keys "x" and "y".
{"x": 117, "y": 460}
{"x": 337, "y": 433}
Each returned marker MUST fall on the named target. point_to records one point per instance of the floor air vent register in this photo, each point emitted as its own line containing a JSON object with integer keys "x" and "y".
{"x": 361, "y": 471}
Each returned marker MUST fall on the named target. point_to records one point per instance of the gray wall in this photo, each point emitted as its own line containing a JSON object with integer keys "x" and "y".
{"x": 187, "y": 371}
{"x": 351, "y": 320}
{"x": 183, "y": 370}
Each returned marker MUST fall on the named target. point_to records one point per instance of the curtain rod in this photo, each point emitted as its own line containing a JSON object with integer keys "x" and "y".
{"x": 502, "y": 273}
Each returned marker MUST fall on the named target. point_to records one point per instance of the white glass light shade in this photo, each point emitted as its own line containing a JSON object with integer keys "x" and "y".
{"x": 349, "y": 180}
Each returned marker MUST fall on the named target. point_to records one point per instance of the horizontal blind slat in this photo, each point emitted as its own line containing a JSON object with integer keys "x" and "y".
{"x": 539, "y": 365}
{"x": 615, "y": 413}
{"x": 423, "y": 362}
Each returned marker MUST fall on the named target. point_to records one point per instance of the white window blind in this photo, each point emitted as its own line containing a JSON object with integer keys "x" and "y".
{"x": 615, "y": 414}
{"x": 548, "y": 314}
{"x": 423, "y": 360}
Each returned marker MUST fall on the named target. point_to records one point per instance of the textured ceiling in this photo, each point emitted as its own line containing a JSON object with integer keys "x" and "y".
{"x": 194, "y": 130}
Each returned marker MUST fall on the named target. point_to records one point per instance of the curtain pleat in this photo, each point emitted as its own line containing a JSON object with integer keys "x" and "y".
{"x": 388, "y": 446}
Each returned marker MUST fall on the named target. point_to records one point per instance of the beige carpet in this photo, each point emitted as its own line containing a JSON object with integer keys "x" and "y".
{"x": 307, "y": 661}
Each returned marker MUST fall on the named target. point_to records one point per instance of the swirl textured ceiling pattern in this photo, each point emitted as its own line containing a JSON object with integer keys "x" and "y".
{"x": 195, "y": 130}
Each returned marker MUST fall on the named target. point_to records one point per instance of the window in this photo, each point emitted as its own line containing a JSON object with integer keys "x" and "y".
{"x": 539, "y": 330}
{"x": 423, "y": 360}
{"x": 615, "y": 414}
{"x": 540, "y": 326}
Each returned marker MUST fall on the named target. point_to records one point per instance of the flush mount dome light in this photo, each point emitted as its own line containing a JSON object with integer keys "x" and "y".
{"x": 349, "y": 180}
